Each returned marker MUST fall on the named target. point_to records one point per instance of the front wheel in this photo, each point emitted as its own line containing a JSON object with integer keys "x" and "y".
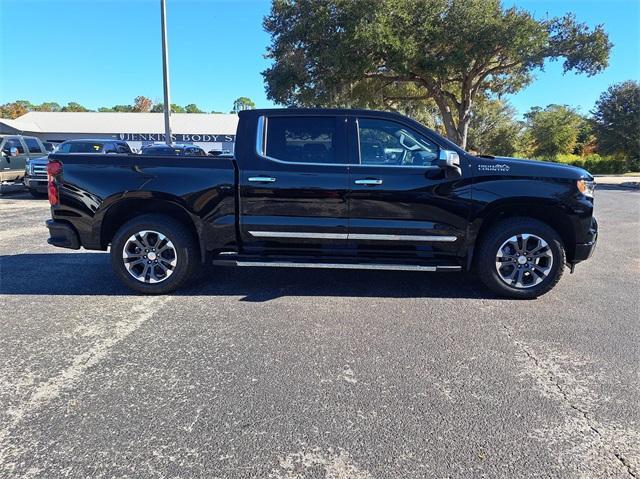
{"x": 521, "y": 258}
{"x": 154, "y": 254}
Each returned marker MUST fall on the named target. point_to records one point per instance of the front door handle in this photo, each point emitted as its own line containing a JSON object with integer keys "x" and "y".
{"x": 368, "y": 181}
{"x": 262, "y": 179}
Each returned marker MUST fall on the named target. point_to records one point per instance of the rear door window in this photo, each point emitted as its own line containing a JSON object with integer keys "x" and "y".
{"x": 305, "y": 139}
{"x": 88, "y": 147}
{"x": 33, "y": 145}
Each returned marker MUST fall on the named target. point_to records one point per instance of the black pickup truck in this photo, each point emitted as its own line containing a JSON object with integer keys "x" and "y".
{"x": 350, "y": 189}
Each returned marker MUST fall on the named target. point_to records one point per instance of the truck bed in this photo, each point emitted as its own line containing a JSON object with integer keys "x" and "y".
{"x": 97, "y": 192}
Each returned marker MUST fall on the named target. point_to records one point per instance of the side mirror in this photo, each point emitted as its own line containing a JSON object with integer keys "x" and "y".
{"x": 13, "y": 151}
{"x": 449, "y": 161}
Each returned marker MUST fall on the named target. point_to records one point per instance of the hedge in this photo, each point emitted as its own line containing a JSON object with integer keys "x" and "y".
{"x": 599, "y": 165}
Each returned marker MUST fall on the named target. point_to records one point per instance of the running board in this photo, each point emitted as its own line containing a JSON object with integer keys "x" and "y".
{"x": 299, "y": 264}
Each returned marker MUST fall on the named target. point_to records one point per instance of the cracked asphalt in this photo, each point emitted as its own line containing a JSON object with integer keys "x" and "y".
{"x": 298, "y": 373}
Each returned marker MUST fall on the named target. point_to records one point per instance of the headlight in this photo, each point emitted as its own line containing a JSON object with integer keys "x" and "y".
{"x": 27, "y": 168}
{"x": 586, "y": 187}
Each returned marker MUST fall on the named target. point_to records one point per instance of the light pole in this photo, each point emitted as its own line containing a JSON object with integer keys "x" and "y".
{"x": 165, "y": 73}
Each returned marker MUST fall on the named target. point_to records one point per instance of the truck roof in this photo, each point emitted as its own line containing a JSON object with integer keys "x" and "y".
{"x": 319, "y": 111}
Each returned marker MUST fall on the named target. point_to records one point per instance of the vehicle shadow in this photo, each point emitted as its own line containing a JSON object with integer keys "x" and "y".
{"x": 89, "y": 274}
{"x": 19, "y": 195}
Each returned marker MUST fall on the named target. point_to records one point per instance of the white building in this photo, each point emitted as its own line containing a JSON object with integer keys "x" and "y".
{"x": 209, "y": 131}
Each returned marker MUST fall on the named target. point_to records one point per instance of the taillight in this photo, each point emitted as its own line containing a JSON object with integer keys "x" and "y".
{"x": 54, "y": 168}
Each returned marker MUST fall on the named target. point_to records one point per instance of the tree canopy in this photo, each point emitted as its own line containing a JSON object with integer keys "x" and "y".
{"x": 616, "y": 119}
{"x": 359, "y": 52}
{"x": 494, "y": 129}
{"x": 243, "y": 103}
{"x": 142, "y": 104}
{"x": 554, "y": 129}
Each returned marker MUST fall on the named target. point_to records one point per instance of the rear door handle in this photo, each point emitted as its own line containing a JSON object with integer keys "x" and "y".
{"x": 368, "y": 181}
{"x": 262, "y": 179}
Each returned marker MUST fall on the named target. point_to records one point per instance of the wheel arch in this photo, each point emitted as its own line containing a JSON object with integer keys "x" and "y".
{"x": 549, "y": 213}
{"x": 128, "y": 208}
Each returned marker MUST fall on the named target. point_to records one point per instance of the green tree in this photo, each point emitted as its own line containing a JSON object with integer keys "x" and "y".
{"x": 452, "y": 51}
{"x": 73, "y": 106}
{"x": 192, "y": 108}
{"x": 159, "y": 108}
{"x": 48, "y": 106}
{"x": 493, "y": 128}
{"x": 243, "y": 103}
{"x": 616, "y": 119}
{"x": 554, "y": 129}
{"x": 122, "y": 108}
{"x": 26, "y": 104}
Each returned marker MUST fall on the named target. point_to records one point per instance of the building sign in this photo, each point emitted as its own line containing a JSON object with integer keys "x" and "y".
{"x": 179, "y": 138}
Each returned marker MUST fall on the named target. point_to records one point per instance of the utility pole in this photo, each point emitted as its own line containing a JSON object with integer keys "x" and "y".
{"x": 165, "y": 74}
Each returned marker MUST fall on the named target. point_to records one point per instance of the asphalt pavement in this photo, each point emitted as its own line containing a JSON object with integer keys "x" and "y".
{"x": 302, "y": 373}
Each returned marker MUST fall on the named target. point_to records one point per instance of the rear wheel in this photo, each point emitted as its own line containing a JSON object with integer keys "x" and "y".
{"x": 154, "y": 254}
{"x": 521, "y": 258}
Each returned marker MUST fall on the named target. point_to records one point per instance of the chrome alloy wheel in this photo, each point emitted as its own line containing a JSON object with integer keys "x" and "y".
{"x": 149, "y": 256}
{"x": 524, "y": 261}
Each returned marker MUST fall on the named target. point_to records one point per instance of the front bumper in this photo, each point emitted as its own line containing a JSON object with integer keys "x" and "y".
{"x": 36, "y": 183}
{"x": 62, "y": 234}
{"x": 584, "y": 251}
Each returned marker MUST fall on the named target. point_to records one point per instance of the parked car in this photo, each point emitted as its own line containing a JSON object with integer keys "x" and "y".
{"x": 15, "y": 150}
{"x": 220, "y": 153}
{"x": 173, "y": 150}
{"x": 351, "y": 189}
{"x": 35, "y": 174}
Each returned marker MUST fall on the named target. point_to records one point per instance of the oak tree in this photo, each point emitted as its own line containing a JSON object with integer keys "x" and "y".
{"x": 346, "y": 52}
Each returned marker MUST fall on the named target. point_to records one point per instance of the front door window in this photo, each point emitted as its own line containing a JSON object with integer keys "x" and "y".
{"x": 387, "y": 143}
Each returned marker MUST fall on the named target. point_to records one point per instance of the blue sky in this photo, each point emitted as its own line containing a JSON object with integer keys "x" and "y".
{"x": 106, "y": 52}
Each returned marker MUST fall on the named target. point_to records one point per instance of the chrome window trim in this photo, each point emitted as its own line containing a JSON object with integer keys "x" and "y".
{"x": 262, "y": 139}
{"x": 260, "y": 136}
{"x": 350, "y": 236}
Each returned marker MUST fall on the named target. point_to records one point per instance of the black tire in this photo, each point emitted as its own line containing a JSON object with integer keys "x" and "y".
{"x": 38, "y": 194}
{"x": 500, "y": 233}
{"x": 184, "y": 244}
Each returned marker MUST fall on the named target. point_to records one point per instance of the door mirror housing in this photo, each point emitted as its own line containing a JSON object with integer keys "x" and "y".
{"x": 449, "y": 161}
